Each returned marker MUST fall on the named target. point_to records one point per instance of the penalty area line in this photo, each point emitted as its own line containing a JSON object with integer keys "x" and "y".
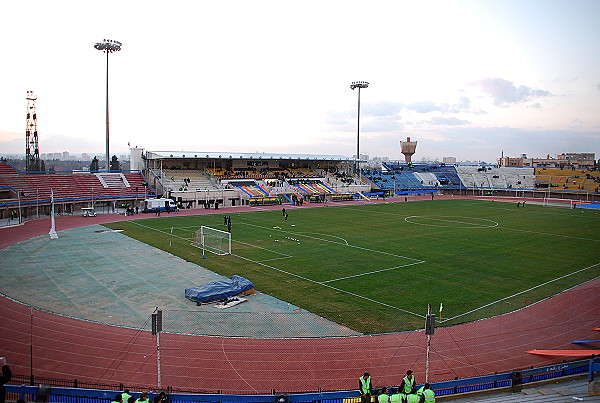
{"x": 372, "y": 272}
{"x": 522, "y": 292}
{"x": 329, "y": 286}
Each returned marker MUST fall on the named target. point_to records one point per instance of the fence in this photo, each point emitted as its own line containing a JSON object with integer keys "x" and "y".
{"x": 60, "y": 393}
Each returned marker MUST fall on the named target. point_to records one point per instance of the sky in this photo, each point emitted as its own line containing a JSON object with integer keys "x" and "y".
{"x": 471, "y": 79}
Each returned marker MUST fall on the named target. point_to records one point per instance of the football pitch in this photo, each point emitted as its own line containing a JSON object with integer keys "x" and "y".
{"x": 376, "y": 267}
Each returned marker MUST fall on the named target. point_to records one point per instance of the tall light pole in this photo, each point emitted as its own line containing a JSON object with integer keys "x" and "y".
{"x": 359, "y": 85}
{"x": 108, "y": 46}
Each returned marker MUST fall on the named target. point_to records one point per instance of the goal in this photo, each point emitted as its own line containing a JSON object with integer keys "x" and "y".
{"x": 213, "y": 240}
{"x": 555, "y": 202}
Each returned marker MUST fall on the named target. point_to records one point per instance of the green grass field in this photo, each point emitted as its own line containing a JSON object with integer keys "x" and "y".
{"x": 375, "y": 267}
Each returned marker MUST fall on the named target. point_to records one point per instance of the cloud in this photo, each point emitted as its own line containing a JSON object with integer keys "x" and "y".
{"x": 463, "y": 104}
{"x": 451, "y": 121}
{"x": 506, "y": 92}
{"x": 381, "y": 109}
{"x": 426, "y": 107}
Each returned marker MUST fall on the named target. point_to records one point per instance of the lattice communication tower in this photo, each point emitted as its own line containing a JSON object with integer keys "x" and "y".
{"x": 32, "y": 151}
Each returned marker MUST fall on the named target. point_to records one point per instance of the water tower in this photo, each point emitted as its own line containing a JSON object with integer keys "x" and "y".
{"x": 408, "y": 149}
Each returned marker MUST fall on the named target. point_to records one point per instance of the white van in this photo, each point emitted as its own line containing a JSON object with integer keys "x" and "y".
{"x": 152, "y": 205}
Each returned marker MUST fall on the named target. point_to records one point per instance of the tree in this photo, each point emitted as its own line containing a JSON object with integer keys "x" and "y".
{"x": 115, "y": 165}
{"x": 94, "y": 166}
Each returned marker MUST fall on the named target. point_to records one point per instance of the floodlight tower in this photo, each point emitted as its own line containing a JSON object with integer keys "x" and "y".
{"x": 108, "y": 46}
{"x": 32, "y": 151}
{"x": 359, "y": 85}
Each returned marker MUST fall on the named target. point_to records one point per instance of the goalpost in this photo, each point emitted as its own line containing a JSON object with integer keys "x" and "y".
{"x": 557, "y": 202}
{"x": 213, "y": 240}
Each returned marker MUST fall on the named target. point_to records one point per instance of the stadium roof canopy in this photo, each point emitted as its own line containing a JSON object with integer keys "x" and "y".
{"x": 242, "y": 156}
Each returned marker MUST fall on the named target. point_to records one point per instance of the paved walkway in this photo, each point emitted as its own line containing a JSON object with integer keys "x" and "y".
{"x": 567, "y": 391}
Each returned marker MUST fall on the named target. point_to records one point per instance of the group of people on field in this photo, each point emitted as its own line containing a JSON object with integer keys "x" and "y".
{"x": 407, "y": 392}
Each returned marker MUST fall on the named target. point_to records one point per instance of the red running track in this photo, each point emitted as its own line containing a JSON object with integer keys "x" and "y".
{"x": 77, "y": 349}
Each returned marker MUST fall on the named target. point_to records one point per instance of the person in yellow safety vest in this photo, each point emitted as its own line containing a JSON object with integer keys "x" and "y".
{"x": 125, "y": 395}
{"x": 365, "y": 387}
{"x": 408, "y": 382}
{"x": 413, "y": 397}
{"x": 383, "y": 396}
{"x": 427, "y": 395}
{"x": 118, "y": 399}
{"x": 396, "y": 397}
{"x": 143, "y": 397}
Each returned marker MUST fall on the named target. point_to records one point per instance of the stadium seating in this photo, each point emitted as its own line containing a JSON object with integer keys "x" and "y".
{"x": 174, "y": 179}
{"x": 30, "y": 188}
{"x": 565, "y": 179}
{"x": 496, "y": 177}
{"x": 395, "y": 175}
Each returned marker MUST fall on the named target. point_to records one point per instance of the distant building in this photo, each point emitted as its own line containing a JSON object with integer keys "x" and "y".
{"x": 564, "y": 160}
{"x": 449, "y": 160}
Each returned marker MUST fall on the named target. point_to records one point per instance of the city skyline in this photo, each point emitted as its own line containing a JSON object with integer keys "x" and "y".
{"x": 472, "y": 80}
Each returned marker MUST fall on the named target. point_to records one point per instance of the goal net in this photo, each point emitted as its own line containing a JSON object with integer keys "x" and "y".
{"x": 556, "y": 202}
{"x": 213, "y": 240}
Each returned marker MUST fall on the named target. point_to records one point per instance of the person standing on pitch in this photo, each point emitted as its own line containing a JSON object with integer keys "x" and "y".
{"x": 408, "y": 382}
{"x": 365, "y": 387}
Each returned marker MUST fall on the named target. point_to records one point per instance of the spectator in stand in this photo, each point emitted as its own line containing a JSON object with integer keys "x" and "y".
{"x": 4, "y": 378}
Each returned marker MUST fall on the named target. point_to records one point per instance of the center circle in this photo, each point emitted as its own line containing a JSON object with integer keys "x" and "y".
{"x": 451, "y": 221}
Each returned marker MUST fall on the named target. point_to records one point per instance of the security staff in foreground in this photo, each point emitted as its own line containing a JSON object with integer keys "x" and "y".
{"x": 383, "y": 396}
{"x": 427, "y": 395}
{"x": 408, "y": 382}
{"x": 365, "y": 387}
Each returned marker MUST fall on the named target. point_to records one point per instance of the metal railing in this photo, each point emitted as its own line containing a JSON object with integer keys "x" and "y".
{"x": 56, "y": 391}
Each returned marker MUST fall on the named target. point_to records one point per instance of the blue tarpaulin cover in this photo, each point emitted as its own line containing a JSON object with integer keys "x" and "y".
{"x": 218, "y": 290}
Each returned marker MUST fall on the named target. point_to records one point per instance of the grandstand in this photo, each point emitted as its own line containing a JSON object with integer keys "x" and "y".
{"x": 496, "y": 177}
{"x": 29, "y": 191}
{"x": 206, "y": 179}
{"x": 567, "y": 180}
{"x": 449, "y": 177}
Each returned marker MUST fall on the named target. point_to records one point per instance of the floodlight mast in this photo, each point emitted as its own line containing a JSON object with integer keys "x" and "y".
{"x": 359, "y": 85}
{"x": 107, "y": 46}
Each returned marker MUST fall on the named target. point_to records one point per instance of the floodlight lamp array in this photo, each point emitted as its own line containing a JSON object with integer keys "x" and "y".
{"x": 359, "y": 84}
{"x": 108, "y": 45}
